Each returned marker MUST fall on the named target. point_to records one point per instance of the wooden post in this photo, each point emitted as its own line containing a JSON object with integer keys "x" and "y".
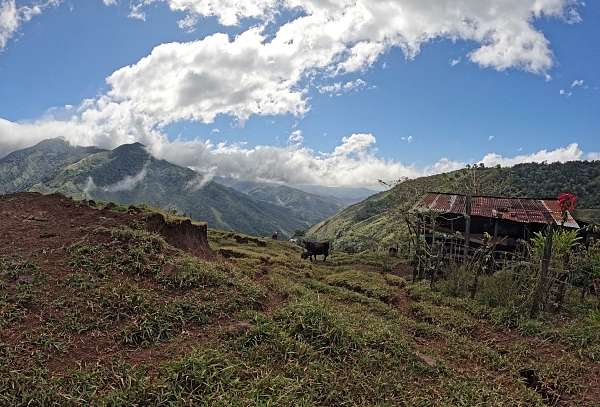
{"x": 432, "y": 233}
{"x": 538, "y": 299}
{"x": 433, "y": 253}
{"x": 467, "y": 228}
{"x": 562, "y": 288}
{"x": 417, "y": 231}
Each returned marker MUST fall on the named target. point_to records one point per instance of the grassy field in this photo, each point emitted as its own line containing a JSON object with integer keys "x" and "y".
{"x": 122, "y": 318}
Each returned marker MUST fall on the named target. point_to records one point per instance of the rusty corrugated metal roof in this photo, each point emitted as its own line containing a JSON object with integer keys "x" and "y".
{"x": 522, "y": 210}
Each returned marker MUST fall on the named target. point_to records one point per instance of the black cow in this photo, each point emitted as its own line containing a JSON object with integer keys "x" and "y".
{"x": 314, "y": 249}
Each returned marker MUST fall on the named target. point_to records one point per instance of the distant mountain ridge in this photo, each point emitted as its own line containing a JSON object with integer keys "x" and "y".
{"x": 377, "y": 221}
{"x": 312, "y": 207}
{"x": 130, "y": 175}
{"x": 346, "y": 195}
{"x": 22, "y": 169}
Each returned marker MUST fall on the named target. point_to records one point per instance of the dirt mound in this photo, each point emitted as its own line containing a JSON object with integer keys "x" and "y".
{"x": 181, "y": 233}
{"x": 33, "y": 223}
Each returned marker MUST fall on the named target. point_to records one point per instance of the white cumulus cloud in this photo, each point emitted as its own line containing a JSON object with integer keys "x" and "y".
{"x": 199, "y": 80}
{"x": 9, "y": 21}
{"x": 572, "y": 152}
{"x": 565, "y": 93}
{"x": 296, "y": 137}
{"x": 13, "y": 16}
{"x": 228, "y": 12}
{"x": 577, "y": 83}
{"x": 339, "y": 88}
{"x": 259, "y": 74}
{"x": 455, "y": 61}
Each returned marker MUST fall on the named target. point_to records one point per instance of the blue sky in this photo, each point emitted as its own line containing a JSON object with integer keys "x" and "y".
{"x": 408, "y": 114}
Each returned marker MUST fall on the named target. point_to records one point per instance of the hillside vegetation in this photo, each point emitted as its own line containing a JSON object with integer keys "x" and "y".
{"x": 377, "y": 221}
{"x": 22, "y": 169}
{"x": 95, "y": 310}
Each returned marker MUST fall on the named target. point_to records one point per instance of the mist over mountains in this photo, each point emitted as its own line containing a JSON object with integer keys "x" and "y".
{"x": 130, "y": 175}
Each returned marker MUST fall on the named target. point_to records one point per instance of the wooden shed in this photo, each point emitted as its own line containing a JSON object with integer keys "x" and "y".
{"x": 470, "y": 218}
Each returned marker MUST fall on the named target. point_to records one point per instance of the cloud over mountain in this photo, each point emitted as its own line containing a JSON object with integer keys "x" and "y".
{"x": 354, "y": 162}
{"x": 572, "y": 152}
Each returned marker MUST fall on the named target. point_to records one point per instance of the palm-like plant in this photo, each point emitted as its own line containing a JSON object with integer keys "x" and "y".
{"x": 563, "y": 242}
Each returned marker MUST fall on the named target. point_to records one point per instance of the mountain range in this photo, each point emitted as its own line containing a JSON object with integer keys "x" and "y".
{"x": 129, "y": 174}
{"x": 309, "y": 206}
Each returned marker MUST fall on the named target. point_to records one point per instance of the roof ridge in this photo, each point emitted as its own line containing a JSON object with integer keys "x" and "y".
{"x": 496, "y": 196}
{"x": 522, "y": 210}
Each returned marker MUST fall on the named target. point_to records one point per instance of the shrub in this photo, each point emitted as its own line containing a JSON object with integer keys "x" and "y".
{"x": 313, "y": 323}
{"x": 499, "y": 290}
{"x": 457, "y": 283}
{"x": 202, "y": 377}
{"x": 370, "y": 284}
{"x": 189, "y": 272}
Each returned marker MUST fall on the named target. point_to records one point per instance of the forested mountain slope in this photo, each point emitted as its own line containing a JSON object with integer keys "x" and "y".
{"x": 22, "y": 169}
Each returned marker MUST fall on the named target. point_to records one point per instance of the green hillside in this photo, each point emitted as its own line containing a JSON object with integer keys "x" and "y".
{"x": 347, "y": 195}
{"x": 377, "y": 221}
{"x": 22, "y": 169}
{"x": 310, "y": 207}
